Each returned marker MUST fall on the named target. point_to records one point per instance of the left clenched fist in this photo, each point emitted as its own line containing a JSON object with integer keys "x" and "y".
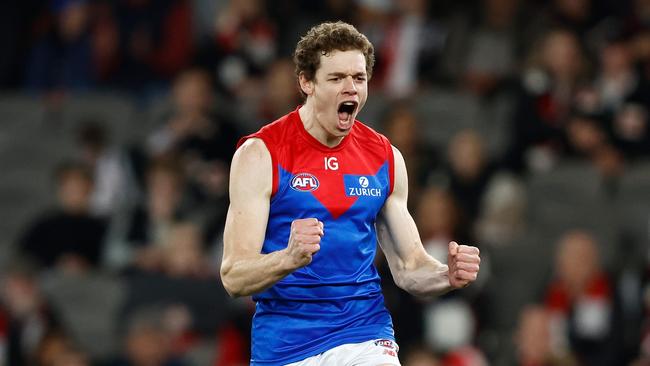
{"x": 463, "y": 262}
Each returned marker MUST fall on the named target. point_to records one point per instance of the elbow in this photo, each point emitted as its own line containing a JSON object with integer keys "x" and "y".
{"x": 226, "y": 279}
{"x": 401, "y": 281}
{"x": 411, "y": 286}
{"x": 231, "y": 290}
{"x": 408, "y": 282}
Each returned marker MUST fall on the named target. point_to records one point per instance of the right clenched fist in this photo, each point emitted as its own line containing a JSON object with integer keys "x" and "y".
{"x": 304, "y": 241}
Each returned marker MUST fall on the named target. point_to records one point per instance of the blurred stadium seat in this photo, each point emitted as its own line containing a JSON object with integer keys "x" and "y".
{"x": 633, "y": 213}
{"x": 445, "y": 112}
{"x": 572, "y": 196}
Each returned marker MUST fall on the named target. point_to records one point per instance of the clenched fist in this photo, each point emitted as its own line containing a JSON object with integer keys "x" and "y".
{"x": 304, "y": 241}
{"x": 463, "y": 262}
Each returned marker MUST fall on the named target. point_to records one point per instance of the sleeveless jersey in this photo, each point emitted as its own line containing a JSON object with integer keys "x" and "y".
{"x": 337, "y": 298}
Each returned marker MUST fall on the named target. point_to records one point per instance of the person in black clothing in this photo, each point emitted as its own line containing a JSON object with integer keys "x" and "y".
{"x": 68, "y": 236}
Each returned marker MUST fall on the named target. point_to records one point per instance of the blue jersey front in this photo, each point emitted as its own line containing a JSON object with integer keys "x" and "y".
{"x": 337, "y": 298}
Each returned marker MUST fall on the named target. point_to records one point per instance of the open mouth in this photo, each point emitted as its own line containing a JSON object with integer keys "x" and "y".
{"x": 346, "y": 110}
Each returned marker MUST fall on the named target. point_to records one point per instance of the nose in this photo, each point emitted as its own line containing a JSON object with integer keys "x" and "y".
{"x": 348, "y": 86}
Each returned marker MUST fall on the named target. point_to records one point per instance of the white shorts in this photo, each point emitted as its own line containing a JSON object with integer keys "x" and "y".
{"x": 370, "y": 353}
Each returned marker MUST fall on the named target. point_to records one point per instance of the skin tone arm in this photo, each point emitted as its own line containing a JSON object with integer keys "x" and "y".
{"x": 412, "y": 268}
{"x": 244, "y": 269}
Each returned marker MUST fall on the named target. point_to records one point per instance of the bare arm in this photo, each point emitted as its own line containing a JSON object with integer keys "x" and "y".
{"x": 244, "y": 269}
{"x": 412, "y": 268}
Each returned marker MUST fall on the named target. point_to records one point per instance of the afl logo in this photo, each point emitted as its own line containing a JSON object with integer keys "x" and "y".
{"x": 304, "y": 182}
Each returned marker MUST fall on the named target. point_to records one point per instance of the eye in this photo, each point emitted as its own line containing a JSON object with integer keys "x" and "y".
{"x": 335, "y": 78}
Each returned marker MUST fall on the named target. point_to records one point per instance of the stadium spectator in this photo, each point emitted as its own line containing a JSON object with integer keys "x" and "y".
{"x": 62, "y": 59}
{"x": 420, "y": 356}
{"x": 150, "y": 223}
{"x": 183, "y": 253}
{"x": 68, "y": 237}
{"x": 502, "y": 213}
{"x": 148, "y": 342}
{"x": 534, "y": 340}
{"x": 113, "y": 189}
{"x": 57, "y": 349}
{"x": 488, "y": 43}
{"x": 202, "y": 137}
{"x": 581, "y": 302}
{"x": 554, "y": 81}
{"x": 411, "y": 48}
{"x": 241, "y": 47}
{"x": 280, "y": 92}
{"x": 154, "y": 43}
{"x": 549, "y": 88}
{"x": 401, "y": 125}
{"x": 26, "y": 318}
{"x": 469, "y": 171}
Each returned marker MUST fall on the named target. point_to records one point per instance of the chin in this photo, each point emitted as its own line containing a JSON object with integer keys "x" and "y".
{"x": 342, "y": 131}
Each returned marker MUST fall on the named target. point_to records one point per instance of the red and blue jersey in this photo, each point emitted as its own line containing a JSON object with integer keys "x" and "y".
{"x": 337, "y": 298}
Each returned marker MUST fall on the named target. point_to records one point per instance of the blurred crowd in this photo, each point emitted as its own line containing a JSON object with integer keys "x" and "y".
{"x": 555, "y": 191}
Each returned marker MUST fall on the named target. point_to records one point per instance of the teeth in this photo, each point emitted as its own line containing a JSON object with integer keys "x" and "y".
{"x": 348, "y": 103}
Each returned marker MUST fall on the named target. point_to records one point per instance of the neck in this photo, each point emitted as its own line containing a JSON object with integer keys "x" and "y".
{"x": 313, "y": 125}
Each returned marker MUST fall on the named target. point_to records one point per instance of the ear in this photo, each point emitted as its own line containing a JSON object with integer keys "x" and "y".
{"x": 307, "y": 86}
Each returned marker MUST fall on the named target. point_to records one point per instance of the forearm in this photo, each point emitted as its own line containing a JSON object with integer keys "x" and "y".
{"x": 250, "y": 276}
{"x": 429, "y": 278}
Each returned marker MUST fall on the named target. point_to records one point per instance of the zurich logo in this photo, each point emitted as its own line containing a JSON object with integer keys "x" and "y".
{"x": 304, "y": 182}
{"x": 363, "y": 181}
{"x": 362, "y": 186}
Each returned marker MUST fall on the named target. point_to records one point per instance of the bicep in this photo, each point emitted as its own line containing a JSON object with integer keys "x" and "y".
{"x": 250, "y": 186}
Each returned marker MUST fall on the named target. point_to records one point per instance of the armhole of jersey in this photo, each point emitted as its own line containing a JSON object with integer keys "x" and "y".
{"x": 391, "y": 165}
{"x": 274, "y": 160}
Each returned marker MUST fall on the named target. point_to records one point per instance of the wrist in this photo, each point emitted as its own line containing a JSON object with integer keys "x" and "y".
{"x": 286, "y": 262}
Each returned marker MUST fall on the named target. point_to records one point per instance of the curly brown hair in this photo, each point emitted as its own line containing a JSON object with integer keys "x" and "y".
{"x": 325, "y": 38}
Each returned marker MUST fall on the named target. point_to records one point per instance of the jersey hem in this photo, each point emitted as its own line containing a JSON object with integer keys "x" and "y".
{"x": 339, "y": 339}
